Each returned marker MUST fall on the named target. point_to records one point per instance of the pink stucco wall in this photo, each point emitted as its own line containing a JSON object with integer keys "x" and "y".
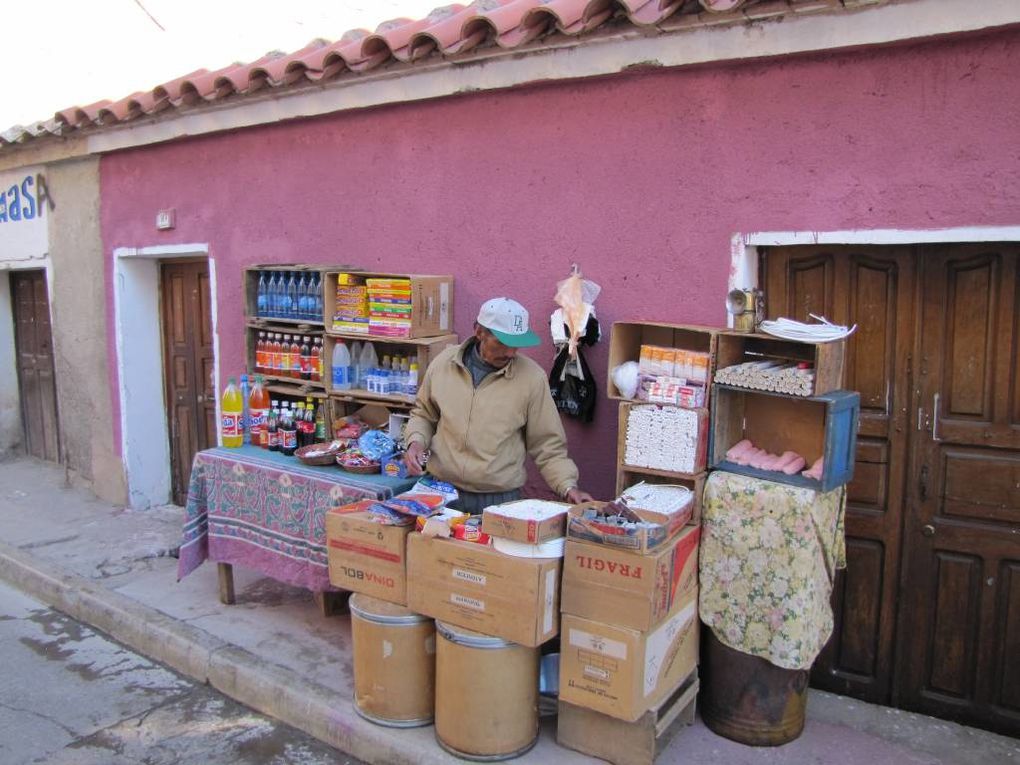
{"x": 640, "y": 179}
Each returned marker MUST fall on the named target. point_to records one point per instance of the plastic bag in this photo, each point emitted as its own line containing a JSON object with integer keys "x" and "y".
{"x": 576, "y": 296}
{"x": 573, "y": 386}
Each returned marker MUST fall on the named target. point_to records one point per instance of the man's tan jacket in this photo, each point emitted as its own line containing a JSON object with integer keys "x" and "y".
{"x": 479, "y": 436}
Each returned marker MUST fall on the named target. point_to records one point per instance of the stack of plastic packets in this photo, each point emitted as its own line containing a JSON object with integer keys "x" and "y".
{"x": 663, "y": 438}
{"x": 389, "y": 307}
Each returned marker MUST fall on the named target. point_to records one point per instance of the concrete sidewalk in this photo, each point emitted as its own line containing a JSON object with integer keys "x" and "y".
{"x": 273, "y": 651}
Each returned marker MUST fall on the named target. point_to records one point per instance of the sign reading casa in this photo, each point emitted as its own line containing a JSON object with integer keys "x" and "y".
{"x": 25, "y": 200}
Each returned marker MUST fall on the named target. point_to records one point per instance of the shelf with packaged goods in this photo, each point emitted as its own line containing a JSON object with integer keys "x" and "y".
{"x": 422, "y": 350}
{"x": 291, "y": 387}
{"x": 627, "y": 476}
{"x": 284, "y": 325}
{"x": 424, "y": 303}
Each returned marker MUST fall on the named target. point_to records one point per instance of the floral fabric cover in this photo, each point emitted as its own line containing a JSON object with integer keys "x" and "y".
{"x": 267, "y": 512}
{"x": 769, "y": 554}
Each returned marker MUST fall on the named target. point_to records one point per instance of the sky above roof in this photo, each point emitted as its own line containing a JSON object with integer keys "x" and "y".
{"x": 63, "y": 53}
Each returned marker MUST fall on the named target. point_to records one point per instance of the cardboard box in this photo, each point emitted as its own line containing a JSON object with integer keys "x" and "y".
{"x": 473, "y": 586}
{"x": 624, "y": 672}
{"x": 365, "y": 556}
{"x": 550, "y": 521}
{"x": 639, "y": 540}
{"x": 615, "y": 586}
{"x": 628, "y": 337}
{"x": 431, "y": 305}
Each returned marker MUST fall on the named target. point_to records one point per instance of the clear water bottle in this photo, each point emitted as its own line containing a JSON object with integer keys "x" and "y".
{"x": 245, "y": 393}
{"x": 317, "y": 297}
{"x": 301, "y": 307}
{"x": 356, "y": 369}
{"x": 271, "y": 295}
{"x": 290, "y": 302}
{"x": 262, "y": 296}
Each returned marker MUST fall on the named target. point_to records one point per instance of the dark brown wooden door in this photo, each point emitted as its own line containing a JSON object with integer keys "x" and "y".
{"x": 33, "y": 342}
{"x": 188, "y": 362}
{"x": 928, "y": 609}
{"x": 874, "y": 289}
{"x": 959, "y": 645}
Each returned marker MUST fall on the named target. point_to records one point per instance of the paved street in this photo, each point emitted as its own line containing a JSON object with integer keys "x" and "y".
{"x": 70, "y": 695}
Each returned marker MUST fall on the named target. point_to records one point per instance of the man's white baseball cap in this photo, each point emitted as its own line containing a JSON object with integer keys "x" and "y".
{"x": 508, "y": 321}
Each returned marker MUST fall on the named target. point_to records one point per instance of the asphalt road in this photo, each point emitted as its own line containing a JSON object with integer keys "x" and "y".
{"x": 71, "y": 695}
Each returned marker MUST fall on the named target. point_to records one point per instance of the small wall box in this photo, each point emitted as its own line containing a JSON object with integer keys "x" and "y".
{"x": 431, "y": 302}
{"x": 815, "y": 426}
{"x": 827, "y": 359}
{"x": 628, "y": 336}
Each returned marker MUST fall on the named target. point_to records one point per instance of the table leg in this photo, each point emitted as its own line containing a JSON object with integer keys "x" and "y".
{"x": 226, "y": 572}
{"x": 332, "y": 603}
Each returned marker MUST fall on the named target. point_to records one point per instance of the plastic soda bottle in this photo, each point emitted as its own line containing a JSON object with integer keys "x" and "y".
{"x": 273, "y": 428}
{"x": 232, "y": 410}
{"x": 316, "y": 360}
{"x": 341, "y": 366}
{"x": 320, "y": 424}
{"x": 245, "y": 392}
{"x": 295, "y": 358}
{"x": 306, "y": 359}
{"x": 258, "y": 414}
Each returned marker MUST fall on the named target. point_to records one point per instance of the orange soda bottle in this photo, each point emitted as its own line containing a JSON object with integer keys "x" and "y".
{"x": 258, "y": 414}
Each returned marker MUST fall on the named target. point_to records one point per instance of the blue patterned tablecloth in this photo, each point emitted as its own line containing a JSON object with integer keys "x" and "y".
{"x": 265, "y": 511}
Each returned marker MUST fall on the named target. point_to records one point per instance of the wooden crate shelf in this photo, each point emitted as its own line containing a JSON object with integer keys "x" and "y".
{"x": 628, "y": 336}
{"x": 817, "y": 426}
{"x": 827, "y": 359}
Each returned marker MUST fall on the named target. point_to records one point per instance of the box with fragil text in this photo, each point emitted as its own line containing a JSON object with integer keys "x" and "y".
{"x": 366, "y": 556}
{"x": 476, "y": 587}
{"x": 617, "y": 586}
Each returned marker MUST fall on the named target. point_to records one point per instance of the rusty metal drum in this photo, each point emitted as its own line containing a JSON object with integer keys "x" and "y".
{"x": 748, "y": 699}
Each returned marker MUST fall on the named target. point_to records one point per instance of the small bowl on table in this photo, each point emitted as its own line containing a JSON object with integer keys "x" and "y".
{"x": 357, "y": 463}
{"x": 319, "y": 455}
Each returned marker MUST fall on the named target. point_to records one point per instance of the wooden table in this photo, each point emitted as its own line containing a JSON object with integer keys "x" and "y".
{"x": 265, "y": 511}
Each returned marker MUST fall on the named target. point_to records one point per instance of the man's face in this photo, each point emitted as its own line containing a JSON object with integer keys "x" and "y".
{"x": 491, "y": 350}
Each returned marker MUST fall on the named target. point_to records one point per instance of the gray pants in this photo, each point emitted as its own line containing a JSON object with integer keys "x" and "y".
{"x": 474, "y": 502}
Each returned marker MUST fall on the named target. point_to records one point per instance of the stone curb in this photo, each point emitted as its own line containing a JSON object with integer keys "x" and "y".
{"x": 263, "y": 686}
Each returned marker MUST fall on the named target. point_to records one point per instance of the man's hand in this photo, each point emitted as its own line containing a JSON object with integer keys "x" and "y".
{"x": 575, "y": 496}
{"x": 414, "y": 458}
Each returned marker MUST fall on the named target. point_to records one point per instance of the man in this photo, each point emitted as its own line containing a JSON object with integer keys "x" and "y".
{"x": 481, "y": 408}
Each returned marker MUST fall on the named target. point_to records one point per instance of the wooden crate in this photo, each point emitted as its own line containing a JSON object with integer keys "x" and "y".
{"x": 628, "y": 476}
{"x": 251, "y": 288}
{"x": 423, "y": 350}
{"x": 302, "y": 387}
{"x": 700, "y": 461}
{"x": 814, "y": 427}
{"x": 827, "y": 359}
{"x": 623, "y": 743}
{"x": 431, "y": 302}
{"x": 628, "y": 336}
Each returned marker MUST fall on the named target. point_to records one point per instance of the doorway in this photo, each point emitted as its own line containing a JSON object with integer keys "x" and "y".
{"x": 142, "y": 385}
{"x": 928, "y": 609}
{"x": 187, "y": 368}
{"x": 33, "y": 342}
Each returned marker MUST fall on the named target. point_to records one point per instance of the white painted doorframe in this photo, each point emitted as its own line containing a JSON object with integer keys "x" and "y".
{"x": 144, "y": 428}
{"x": 744, "y": 247}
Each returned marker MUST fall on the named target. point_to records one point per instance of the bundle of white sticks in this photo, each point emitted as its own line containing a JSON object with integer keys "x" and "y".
{"x": 769, "y": 375}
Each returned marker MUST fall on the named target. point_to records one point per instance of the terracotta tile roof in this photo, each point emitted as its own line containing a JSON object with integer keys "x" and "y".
{"x": 450, "y": 33}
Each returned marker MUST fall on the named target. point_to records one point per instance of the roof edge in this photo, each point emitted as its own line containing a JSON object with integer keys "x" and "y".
{"x": 764, "y": 31}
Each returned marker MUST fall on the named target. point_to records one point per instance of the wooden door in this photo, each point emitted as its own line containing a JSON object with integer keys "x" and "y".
{"x": 959, "y": 645}
{"x": 873, "y": 288}
{"x": 188, "y": 367}
{"x": 33, "y": 343}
